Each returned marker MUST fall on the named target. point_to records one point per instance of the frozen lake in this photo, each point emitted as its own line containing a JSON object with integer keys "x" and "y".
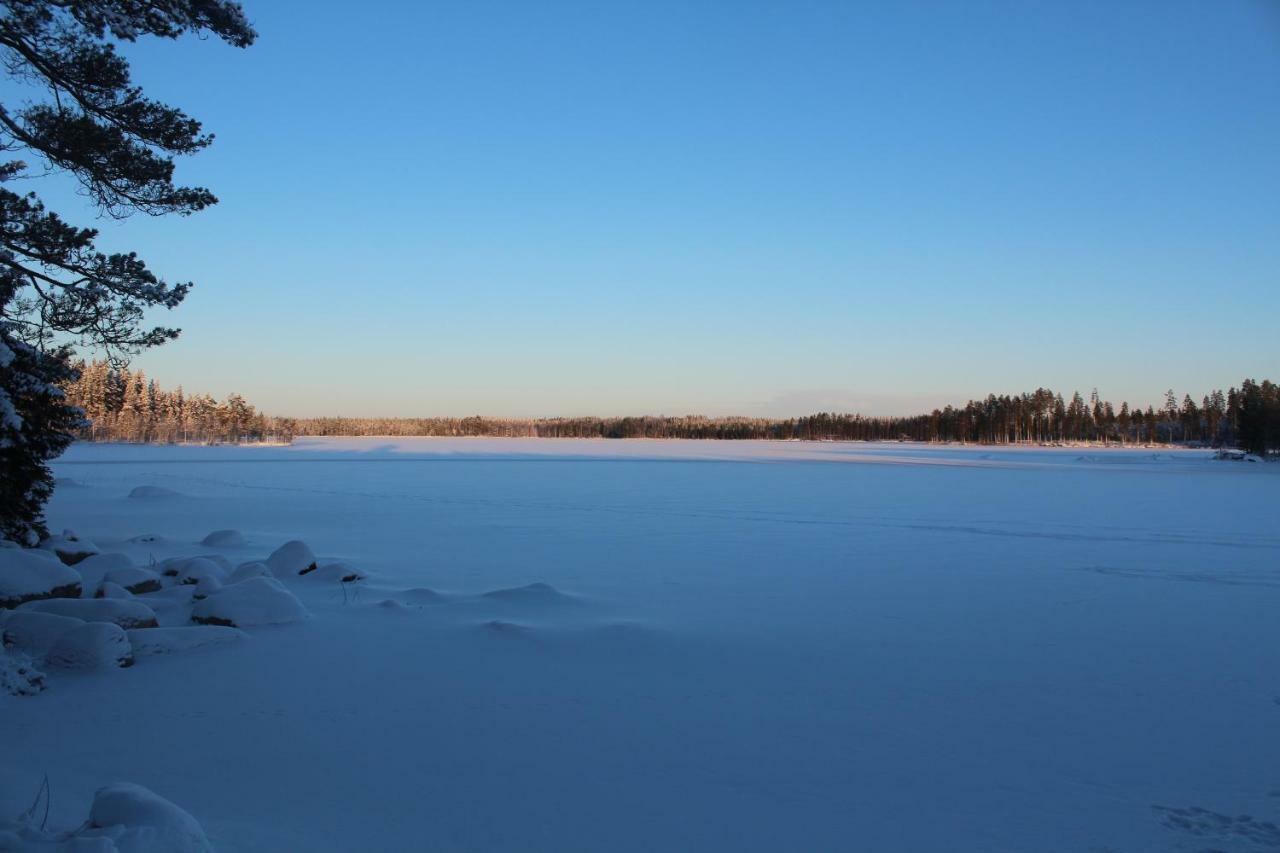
{"x": 754, "y": 647}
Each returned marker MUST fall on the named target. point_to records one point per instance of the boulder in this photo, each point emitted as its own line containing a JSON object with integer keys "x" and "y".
{"x": 94, "y": 569}
{"x": 338, "y": 573}
{"x": 28, "y": 574}
{"x": 69, "y": 547}
{"x": 140, "y": 821}
{"x": 126, "y": 614}
{"x": 244, "y": 571}
{"x": 112, "y": 590}
{"x": 224, "y": 539}
{"x": 93, "y": 645}
{"x": 35, "y": 634}
{"x": 256, "y": 601}
{"x": 135, "y": 579}
{"x": 292, "y": 558}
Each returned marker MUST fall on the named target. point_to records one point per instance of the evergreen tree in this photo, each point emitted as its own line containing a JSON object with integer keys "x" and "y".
{"x": 73, "y": 108}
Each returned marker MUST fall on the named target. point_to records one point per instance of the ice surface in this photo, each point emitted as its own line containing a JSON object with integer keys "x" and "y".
{"x": 771, "y": 646}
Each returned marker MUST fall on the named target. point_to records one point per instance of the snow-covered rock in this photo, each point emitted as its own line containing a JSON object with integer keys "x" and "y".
{"x": 147, "y": 539}
{"x": 93, "y": 645}
{"x": 140, "y": 821}
{"x": 337, "y": 573}
{"x": 69, "y": 547}
{"x": 191, "y": 569}
{"x": 126, "y": 614}
{"x": 223, "y": 539}
{"x": 256, "y": 601}
{"x": 164, "y": 641}
{"x": 112, "y": 590}
{"x": 28, "y": 575}
{"x": 292, "y": 558}
{"x": 135, "y": 579}
{"x": 94, "y": 569}
{"x": 36, "y": 634}
{"x": 153, "y": 493}
{"x": 244, "y": 571}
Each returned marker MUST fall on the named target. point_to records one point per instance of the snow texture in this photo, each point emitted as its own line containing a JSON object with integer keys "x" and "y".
{"x": 756, "y": 646}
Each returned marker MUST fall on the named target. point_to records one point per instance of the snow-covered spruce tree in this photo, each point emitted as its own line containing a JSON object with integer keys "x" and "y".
{"x": 72, "y": 108}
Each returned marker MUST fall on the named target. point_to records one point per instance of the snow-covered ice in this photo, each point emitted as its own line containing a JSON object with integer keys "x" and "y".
{"x": 647, "y": 645}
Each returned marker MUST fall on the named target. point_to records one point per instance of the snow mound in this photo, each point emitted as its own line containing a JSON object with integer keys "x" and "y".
{"x": 191, "y": 569}
{"x": 112, "y": 590}
{"x": 244, "y": 571}
{"x": 139, "y": 821}
{"x": 164, "y": 641}
{"x": 94, "y": 569}
{"x": 133, "y": 578}
{"x": 169, "y": 598}
{"x": 338, "y": 573}
{"x": 223, "y": 539}
{"x": 206, "y": 575}
{"x": 30, "y": 575}
{"x": 154, "y": 493}
{"x": 125, "y": 614}
{"x": 147, "y": 538}
{"x": 69, "y": 547}
{"x": 534, "y": 593}
{"x": 93, "y": 645}
{"x": 257, "y": 601}
{"x": 391, "y": 604}
{"x": 421, "y": 595}
{"x": 36, "y": 634}
{"x": 292, "y": 558}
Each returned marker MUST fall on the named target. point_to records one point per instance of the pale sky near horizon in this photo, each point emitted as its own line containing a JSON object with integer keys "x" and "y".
{"x": 555, "y": 208}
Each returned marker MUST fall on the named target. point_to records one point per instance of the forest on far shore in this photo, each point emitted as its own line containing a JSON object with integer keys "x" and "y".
{"x": 120, "y": 405}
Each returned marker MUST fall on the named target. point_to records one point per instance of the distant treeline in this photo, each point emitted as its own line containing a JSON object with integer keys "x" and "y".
{"x": 127, "y": 406}
{"x": 1248, "y": 416}
{"x": 124, "y": 406}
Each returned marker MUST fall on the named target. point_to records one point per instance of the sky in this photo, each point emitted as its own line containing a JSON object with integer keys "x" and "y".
{"x": 536, "y": 209}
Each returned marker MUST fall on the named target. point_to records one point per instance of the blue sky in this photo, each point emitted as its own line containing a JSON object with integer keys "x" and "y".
{"x": 757, "y": 208}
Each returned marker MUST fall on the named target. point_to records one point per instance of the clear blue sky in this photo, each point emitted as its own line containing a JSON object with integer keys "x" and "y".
{"x": 564, "y": 208}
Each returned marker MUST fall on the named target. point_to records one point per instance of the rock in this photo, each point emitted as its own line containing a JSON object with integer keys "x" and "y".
{"x": 164, "y": 641}
{"x": 337, "y": 573}
{"x": 94, "y": 569}
{"x": 135, "y": 579}
{"x": 147, "y": 539}
{"x": 244, "y": 571}
{"x": 69, "y": 548}
{"x": 224, "y": 539}
{"x": 112, "y": 590}
{"x": 93, "y": 645}
{"x": 35, "y": 634}
{"x": 140, "y": 821}
{"x": 193, "y": 568}
{"x": 292, "y": 558}
{"x": 198, "y": 568}
{"x": 28, "y": 574}
{"x": 256, "y": 601}
{"x": 125, "y": 614}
